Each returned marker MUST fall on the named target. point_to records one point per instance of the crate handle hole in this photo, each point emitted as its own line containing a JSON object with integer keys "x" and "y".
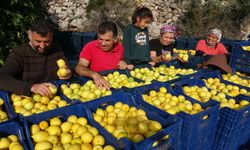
{"x": 163, "y": 139}
{"x": 205, "y": 117}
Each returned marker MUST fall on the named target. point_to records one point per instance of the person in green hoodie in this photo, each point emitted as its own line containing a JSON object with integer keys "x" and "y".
{"x": 136, "y": 39}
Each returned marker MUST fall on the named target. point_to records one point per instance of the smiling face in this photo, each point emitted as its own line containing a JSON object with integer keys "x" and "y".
{"x": 143, "y": 23}
{"x": 212, "y": 39}
{"x": 40, "y": 43}
{"x": 107, "y": 41}
{"x": 167, "y": 38}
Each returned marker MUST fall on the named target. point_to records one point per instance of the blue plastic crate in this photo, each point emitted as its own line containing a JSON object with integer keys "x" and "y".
{"x": 181, "y": 43}
{"x": 197, "y": 133}
{"x": 171, "y": 125}
{"x": 81, "y": 81}
{"x": 240, "y": 58}
{"x": 207, "y": 75}
{"x": 139, "y": 67}
{"x": 14, "y": 128}
{"x": 191, "y": 44}
{"x": 217, "y": 74}
{"x": 233, "y": 128}
{"x": 178, "y": 86}
{"x": 180, "y": 76}
{"x": 127, "y": 73}
{"x": 88, "y": 37}
{"x": 7, "y": 107}
{"x": 18, "y": 115}
{"x": 195, "y": 60}
{"x": 229, "y": 43}
{"x": 63, "y": 114}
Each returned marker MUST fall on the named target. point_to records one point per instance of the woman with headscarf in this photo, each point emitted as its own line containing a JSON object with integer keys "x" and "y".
{"x": 213, "y": 51}
{"x": 212, "y": 45}
{"x": 163, "y": 45}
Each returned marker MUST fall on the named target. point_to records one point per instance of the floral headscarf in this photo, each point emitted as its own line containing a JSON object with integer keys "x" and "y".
{"x": 168, "y": 29}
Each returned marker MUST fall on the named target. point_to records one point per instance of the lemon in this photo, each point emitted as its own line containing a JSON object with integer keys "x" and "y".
{"x": 12, "y": 138}
{"x": 62, "y": 72}
{"x": 86, "y": 146}
{"x": 87, "y": 137}
{"x": 66, "y": 126}
{"x": 110, "y": 108}
{"x": 75, "y": 147}
{"x": 16, "y": 147}
{"x": 137, "y": 138}
{"x": 60, "y": 63}
{"x": 140, "y": 112}
{"x": 244, "y": 103}
{"x": 54, "y": 130}
{"x": 72, "y": 119}
{"x": 34, "y": 128}
{"x": 155, "y": 126}
{"x": 4, "y": 143}
{"x": 94, "y": 131}
{"x": 53, "y": 139}
{"x": 97, "y": 147}
{"x": 40, "y": 136}
{"x": 43, "y": 125}
{"x": 108, "y": 147}
{"x": 80, "y": 130}
{"x": 56, "y": 147}
{"x": 118, "y": 105}
{"x": 82, "y": 121}
{"x": 66, "y": 138}
{"x": 43, "y": 145}
{"x": 98, "y": 140}
{"x": 53, "y": 89}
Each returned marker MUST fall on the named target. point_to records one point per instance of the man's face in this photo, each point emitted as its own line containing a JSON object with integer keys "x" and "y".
{"x": 107, "y": 41}
{"x": 39, "y": 43}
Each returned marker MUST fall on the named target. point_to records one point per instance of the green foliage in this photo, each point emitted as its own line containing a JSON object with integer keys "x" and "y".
{"x": 16, "y": 16}
{"x": 225, "y": 15}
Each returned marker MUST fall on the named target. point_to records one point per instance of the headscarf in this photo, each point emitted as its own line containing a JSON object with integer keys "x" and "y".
{"x": 216, "y": 32}
{"x": 168, "y": 29}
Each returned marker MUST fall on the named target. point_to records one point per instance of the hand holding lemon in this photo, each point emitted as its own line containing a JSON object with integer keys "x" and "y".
{"x": 63, "y": 71}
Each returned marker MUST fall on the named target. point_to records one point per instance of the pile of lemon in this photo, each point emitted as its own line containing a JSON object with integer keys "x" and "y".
{"x": 123, "y": 121}
{"x": 73, "y": 134}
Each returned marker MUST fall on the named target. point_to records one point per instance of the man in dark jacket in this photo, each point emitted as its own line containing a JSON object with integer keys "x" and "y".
{"x": 31, "y": 66}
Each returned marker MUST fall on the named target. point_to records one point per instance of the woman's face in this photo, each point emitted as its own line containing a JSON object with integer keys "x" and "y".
{"x": 212, "y": 39}
{"x": 167, "y": 38}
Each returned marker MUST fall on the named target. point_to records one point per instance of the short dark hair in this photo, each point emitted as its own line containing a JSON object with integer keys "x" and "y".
{"x": 106, "y": 26}
{"x": 41, "y": 26}
{"x": 142, "y": 12}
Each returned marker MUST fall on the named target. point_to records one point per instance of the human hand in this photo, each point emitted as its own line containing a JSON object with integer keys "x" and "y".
{"x": 42, "y": 88}
{"x": 122, "y": 65}
{"x": 130, "y": 66}
{"x": 68, "y": 74}
{"x": 100, "y": 82}
{"x": 151, "y": 63}
{"x": 165, "y": 58}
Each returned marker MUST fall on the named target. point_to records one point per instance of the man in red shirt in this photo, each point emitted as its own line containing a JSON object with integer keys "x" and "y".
{"x": 106, "y": 53}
